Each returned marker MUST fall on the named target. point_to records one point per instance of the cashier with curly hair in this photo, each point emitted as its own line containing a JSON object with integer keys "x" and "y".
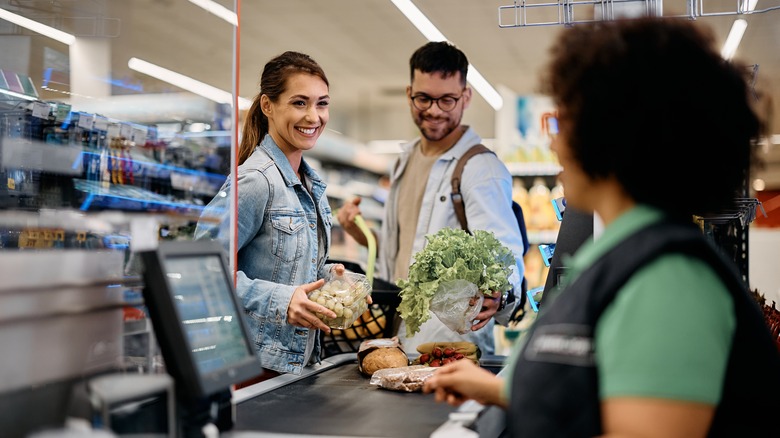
{"x": 652, "y": 332}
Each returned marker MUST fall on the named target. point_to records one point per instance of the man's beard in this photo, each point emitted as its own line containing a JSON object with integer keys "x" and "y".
{"x": 441, "y": 132}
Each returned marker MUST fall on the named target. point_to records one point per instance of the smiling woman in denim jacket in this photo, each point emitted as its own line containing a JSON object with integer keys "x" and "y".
{"x": 284, "y": 219}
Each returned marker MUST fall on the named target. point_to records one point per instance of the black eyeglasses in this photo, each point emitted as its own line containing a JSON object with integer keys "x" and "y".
{"x": 446, "y": 103}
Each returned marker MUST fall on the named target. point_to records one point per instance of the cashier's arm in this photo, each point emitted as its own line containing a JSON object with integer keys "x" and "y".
{"x": 655, "y": 417}
{"x": 464, "y": 380}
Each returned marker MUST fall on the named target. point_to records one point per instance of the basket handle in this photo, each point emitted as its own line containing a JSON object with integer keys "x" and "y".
{"x": 371, "y": 240}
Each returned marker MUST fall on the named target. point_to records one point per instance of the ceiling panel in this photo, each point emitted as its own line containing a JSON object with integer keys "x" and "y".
{"x": 363, "y": 45}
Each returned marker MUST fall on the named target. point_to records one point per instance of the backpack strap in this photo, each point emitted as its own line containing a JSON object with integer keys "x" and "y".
{"x": 457, "y": 197}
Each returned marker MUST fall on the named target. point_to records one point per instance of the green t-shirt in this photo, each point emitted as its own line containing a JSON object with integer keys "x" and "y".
{"x": 669, "y": 330}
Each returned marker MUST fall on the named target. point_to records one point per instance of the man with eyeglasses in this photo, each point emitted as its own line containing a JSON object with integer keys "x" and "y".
{"x": 419, "y": 200}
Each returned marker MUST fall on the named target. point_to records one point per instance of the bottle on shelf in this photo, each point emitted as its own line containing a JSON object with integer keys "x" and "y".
{"x": 541, "y": 212}
{"x": 520, "y": 194}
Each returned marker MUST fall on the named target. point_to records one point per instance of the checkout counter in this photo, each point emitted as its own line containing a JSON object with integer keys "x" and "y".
{"x": 72, "y": 313}
{"x": 335, "y": 399}
{"x": 206, "y": 346}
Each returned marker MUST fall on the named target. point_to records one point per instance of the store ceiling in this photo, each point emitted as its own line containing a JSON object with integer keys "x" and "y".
{"x": 363, "y": 45}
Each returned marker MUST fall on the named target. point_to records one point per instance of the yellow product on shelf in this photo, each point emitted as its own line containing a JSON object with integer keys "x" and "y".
{"x": 41, "y": 238}
{"x": 557, "y": 191}
{"x": 520, "y": 195}
{"x": 541, "y": 213}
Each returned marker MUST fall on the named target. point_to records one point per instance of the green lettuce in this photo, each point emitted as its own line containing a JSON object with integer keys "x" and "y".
{"x": 453, "y": 254}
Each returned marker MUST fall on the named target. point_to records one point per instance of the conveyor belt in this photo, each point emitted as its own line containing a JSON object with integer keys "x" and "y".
{"x": 340, "y": 401}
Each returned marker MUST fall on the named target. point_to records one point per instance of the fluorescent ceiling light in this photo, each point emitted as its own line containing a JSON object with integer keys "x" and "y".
{"x": 737, "y": 31}
{"x": 419, "y": 20}
{"x": 186, "y": 83}
{"x": 424, "y": 25}
{"x": 34, "y": 26}
{"x": 484, "y": 88}
{"x": 218, "y": 10}
{"x": 15, "y": 94}
{"x": 732, "y": 41}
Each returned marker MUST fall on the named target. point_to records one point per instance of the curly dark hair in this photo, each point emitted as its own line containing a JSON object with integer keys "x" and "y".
{"x": 651, "y": 102}
{"x": 439, "y": 57}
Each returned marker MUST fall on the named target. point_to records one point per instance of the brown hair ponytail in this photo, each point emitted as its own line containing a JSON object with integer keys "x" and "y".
{"x": 255, "y": 128}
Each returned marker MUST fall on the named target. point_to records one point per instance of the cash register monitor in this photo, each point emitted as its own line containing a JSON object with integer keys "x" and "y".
{"x": 576, "y": 229}
{"x": 197, "y": 319}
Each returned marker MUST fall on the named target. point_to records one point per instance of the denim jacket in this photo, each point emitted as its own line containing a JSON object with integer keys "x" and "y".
{"x": 278, "y": 249}
{"x": 487, "y": 195}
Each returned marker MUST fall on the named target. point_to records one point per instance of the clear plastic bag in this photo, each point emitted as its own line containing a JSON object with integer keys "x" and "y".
{"x": 408, "y": 379}
{"x": 345, "y": 295}
{"x": 456, "y": 304}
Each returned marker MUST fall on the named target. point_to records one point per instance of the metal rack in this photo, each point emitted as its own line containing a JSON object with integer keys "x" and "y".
{"x": 729, "y": 231}
{"x": 526, "y": 13}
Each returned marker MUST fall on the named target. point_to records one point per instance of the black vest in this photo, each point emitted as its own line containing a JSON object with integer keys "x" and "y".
{"x": 555, "y": 381}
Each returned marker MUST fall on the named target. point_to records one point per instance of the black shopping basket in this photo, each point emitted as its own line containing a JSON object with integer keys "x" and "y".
{"x": 376, "y": 322}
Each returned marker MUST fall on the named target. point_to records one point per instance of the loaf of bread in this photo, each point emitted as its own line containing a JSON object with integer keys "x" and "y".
{"x": 382, "y": 358}
{"x": 378, "y": 354}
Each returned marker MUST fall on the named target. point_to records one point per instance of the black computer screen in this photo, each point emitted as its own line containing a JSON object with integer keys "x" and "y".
{"x": 210, "y": 319}
{"x": 197, "y": 318}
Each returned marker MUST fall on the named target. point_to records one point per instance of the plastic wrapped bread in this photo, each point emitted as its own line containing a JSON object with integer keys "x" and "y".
{"x": 409, "y": 379}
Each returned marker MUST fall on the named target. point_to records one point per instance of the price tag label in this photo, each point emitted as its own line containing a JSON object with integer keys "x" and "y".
{"x": 86, "y": 121}
{"x": 144, "y": 233}
{"x": 63, "y": 110}
{"x": 125, "y": 131}
{"x": 101, "y": 124}
{"x": 41, "y": 110}
{"x": 139, "y": 136}
{"x": 113, "y": 131}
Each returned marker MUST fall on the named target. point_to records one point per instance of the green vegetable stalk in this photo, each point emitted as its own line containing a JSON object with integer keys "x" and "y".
{"x": 452, "y": 254}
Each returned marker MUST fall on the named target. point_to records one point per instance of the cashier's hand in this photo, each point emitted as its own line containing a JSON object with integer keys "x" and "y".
{"x": 462, "y": 380}
{"x": 346, "y": 217}
{"x": 301, "y": 311}
{"x": 489, "y": 308}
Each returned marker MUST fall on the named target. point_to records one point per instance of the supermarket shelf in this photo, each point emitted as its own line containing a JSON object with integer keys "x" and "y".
{"x": 123, "y": 197}
{"x": 533, "y": 169}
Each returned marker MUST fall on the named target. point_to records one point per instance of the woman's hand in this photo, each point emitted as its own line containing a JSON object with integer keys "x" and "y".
{"x": 338, "y": 269}
{"x": 489, "y": 308}
{"x": 301, "y": 311}
{"x": 463, "y": 380}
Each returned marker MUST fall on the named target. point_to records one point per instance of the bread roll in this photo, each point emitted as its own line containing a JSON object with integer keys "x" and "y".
{"x": 381, "y": 358}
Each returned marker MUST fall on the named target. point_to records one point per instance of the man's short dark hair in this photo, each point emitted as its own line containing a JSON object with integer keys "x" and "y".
{"x": 439, "y": 57}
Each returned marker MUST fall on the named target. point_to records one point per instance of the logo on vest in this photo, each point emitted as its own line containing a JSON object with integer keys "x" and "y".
{"x": 568, "y": 344}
